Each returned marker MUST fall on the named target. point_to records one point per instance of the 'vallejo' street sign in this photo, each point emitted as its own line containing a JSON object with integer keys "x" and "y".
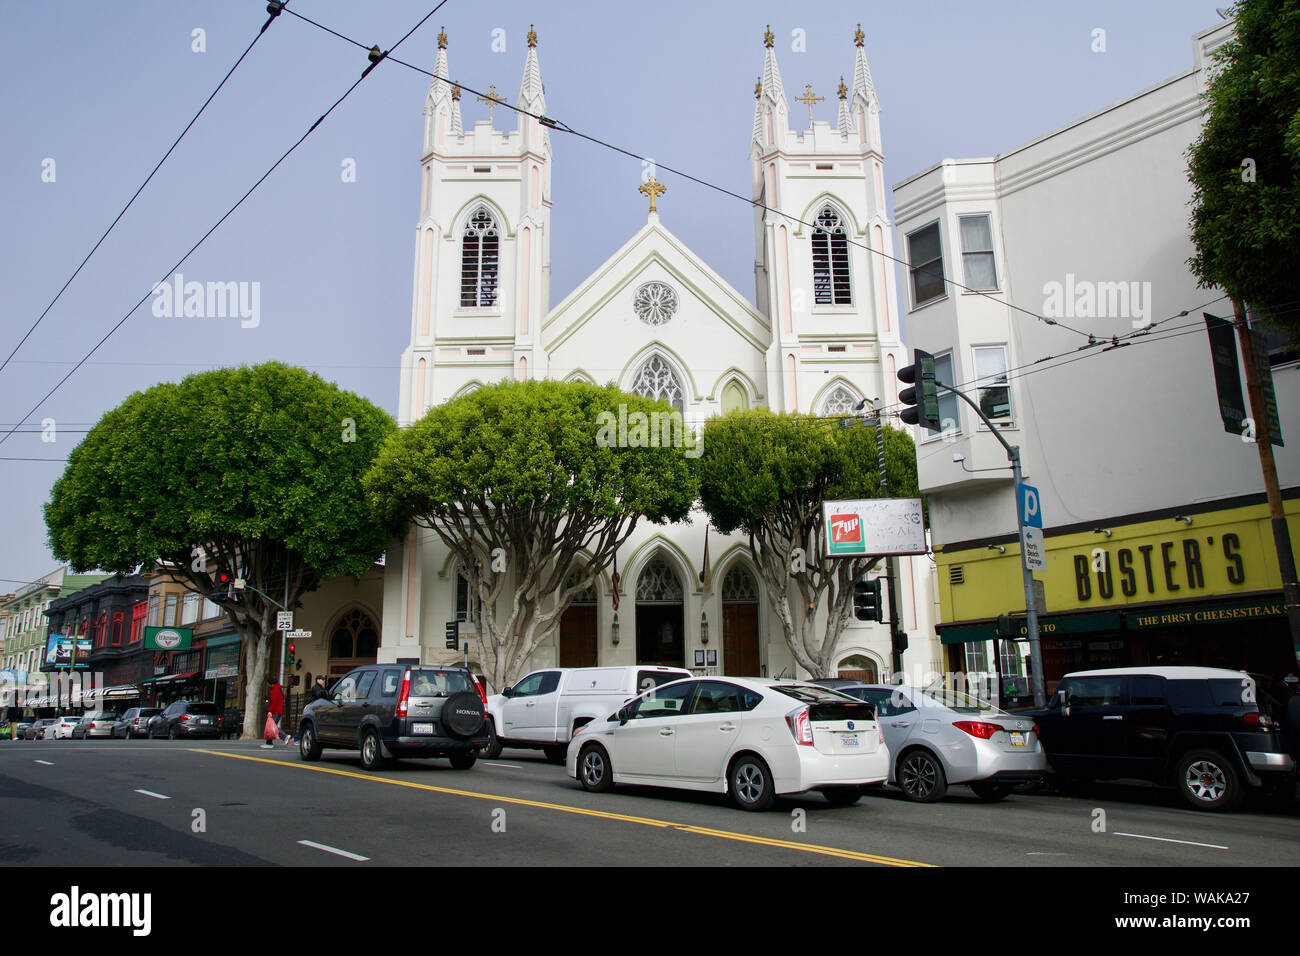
{"x": 1032, "y": 552}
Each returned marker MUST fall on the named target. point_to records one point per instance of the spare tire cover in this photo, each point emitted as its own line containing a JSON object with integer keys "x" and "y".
{"x": 462, "y": 714}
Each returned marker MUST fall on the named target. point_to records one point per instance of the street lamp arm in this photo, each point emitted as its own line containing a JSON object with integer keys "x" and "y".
{"x": 1013, "y": 452}
{"x": 249, "y": 587}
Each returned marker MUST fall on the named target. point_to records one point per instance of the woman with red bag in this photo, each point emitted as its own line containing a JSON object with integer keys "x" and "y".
{"x": 274, "y": 715}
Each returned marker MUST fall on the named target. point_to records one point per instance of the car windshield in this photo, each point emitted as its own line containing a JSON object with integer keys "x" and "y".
{"x": 439, "y": 683}
{"x": 807, "y": 693}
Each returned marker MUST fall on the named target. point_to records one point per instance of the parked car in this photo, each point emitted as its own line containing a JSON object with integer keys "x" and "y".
{"x": 390, "y": 711}
{"x": 95, "y": 723}
{"x": 752, "y": 738}
{"x": 544, "y": 710}
{"x": 134, "y": 723}
{"x": 62, "y": 728}
{"x": 939, "y": 737}
{"x": 186, "y": 718}
{"x": 36, "y": 731}
{"x": 20, "y": 729}
{"x": 1198, "y": 729}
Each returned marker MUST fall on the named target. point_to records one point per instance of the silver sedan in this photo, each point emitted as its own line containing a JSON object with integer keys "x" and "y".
{"x": 941, "y": 737}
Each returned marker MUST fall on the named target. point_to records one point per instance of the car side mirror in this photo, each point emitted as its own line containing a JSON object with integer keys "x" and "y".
{"x": 338, "y": 699}
{"x": 508, "y": 692}
{"x": 624, "y": 715}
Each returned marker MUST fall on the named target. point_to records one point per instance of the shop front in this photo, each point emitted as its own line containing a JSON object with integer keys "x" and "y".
{"x": 221, "y": 670}
{"x": 1202, "y": 590}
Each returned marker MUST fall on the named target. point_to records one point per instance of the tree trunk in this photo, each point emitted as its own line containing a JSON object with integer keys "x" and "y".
{"x": 258, "y": 654}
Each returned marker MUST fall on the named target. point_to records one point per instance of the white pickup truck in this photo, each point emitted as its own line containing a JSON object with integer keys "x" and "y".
{"x": 543, "y": 710}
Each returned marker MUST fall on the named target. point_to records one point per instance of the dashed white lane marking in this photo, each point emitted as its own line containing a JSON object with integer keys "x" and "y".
{"x": 1037, "y": 853}
{"x": 512, "y": 766}
{"x": 1142, "y": 836}
{"x": 46, "y": 762}
{"x": 333, "y": 849}
{"x": 150, "y": 793}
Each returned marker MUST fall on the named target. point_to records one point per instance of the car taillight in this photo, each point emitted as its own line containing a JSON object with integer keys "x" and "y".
{"x": 184, "y": 717}
{"x": 800, "y": 726}
{"x": 481, "y": 695}
{"x": 406, "y": 693}
{"x": 1262, "y": 721}
{"x": 977, "y": 728}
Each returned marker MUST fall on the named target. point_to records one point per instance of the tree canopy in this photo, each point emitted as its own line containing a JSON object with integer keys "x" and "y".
{"x": 767, "y": 475}
{"x": 1245, "y": 168}
{"x": 252, "y": 471}
{"x": 528, "y": 482}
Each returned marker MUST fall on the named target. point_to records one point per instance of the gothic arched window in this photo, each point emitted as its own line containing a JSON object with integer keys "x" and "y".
{"x": 479, "y": 259}
{"x": 355, "y": 636}
{"x": 842, "y": 401}
{"x": 656, "y": 379}
{"x": 830, "y": 256}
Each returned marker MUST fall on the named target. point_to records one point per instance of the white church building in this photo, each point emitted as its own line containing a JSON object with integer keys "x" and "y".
{"x": 821, "y": 335}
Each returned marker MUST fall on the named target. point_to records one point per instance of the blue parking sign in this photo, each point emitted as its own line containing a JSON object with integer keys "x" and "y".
{"x": 1032, "y": 552}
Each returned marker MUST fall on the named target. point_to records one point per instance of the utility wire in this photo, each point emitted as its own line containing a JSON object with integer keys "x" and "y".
{"x": 273, "y": 9}
{"x": 376, "y": 57}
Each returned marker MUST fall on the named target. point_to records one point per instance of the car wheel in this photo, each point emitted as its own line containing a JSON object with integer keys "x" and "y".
{"x": 1208, "y": 781}
{"x": 372, "y": 751}
{"x": 171, "y": 734}
{"x": 494, "y": 746}
{"x": 842, "y": 796}
{"x": 555, "y": 754}
{"x": 750, "y": 784}
{"x": 594, "y": 772}
{"x": 309, "y": 747}
{"x": 990, "y": 792}
{"x": 464, "y": 761}
{"x": 920, "y": 777}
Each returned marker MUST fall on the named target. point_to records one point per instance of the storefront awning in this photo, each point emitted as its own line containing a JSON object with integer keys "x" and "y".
{"x": 1174, "y": 616}
{"x": 169, "y": 679}
{"x": 1049, "y": 625}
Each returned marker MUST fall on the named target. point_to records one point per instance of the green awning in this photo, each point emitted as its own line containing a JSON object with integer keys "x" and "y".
{"x": 223, "y": 640}
{"x": 1183, "y": 616}
{"x": 1049, "y": 625}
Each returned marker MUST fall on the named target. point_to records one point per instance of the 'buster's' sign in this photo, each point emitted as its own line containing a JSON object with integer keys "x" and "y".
{"x": 869, "y": 527}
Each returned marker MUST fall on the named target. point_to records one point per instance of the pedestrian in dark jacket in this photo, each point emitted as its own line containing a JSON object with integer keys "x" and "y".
{"x": 318, "y": 691}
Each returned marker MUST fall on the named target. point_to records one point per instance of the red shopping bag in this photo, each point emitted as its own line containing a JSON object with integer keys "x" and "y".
{"x": 271, "y": 731}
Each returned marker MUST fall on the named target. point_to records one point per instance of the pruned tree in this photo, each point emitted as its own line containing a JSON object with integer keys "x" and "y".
{"x": 527, "y": 483}
{"x": 767, "y": 475}
{"x": 254, "y": 472}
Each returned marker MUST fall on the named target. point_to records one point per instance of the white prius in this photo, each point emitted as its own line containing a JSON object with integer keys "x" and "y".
{"x": 752, "y": 738}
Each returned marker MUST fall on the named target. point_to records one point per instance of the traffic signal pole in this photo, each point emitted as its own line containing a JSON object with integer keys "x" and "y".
{"x": 896, "y": 635}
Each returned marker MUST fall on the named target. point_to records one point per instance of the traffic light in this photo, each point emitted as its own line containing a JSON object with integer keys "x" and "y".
{"x": 294, "y": 680}
{"x": 866, "y": 601}
{"x": 224, "y": 594}
{"x": 923, "y": 397}
{"x": 291, "y": 649}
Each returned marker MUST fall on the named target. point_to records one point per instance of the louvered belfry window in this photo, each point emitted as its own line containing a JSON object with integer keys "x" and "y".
{"x": 830, "y": 254}
{"x": 478, "y": 270}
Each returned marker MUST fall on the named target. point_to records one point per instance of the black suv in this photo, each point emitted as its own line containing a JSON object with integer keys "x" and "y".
{"x": 388, "y": 710}
{"x": 186, "y": 718}
{"x": 1196, "y": 728}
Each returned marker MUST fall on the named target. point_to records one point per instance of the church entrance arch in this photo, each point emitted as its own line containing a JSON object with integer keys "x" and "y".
{"x": 660, "y": 630}
{"x": 578, "y": 628}
{"x": 740, "y": 653}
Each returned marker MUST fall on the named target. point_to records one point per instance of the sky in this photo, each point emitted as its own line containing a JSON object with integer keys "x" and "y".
{"x": 94, "y": 91}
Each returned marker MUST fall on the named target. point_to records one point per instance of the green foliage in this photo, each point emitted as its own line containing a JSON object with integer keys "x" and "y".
{"x": 530, "y": 447}
{"x": 250, "y": 454}
{"x": 1247, "y": 234}
{"x": 761, "y": 468}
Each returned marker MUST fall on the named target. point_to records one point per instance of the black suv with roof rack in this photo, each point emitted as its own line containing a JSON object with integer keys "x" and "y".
{"x": 1199, "y": 729}
{"x": 395, "y": 711}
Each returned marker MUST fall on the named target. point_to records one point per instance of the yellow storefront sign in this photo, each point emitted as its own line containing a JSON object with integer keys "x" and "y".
{"x": 1220, "y": 554}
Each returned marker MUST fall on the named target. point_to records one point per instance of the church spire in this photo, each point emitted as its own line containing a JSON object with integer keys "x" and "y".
{"x": 864, "y": 91}
{"x": 843, "y": 122}
{"x": 439, "y": 88}
{"x": 770, "y": 109}
{"x": 457, "y": 125}
{"x": 532, "y": 92}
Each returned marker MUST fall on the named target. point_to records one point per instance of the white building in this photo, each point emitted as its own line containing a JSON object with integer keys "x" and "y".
{"x": 822, "y": 335}
{"x": 1150, "y": 508}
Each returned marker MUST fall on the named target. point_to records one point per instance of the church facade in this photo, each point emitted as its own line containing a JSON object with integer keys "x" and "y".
{"x": 820, "y": 336}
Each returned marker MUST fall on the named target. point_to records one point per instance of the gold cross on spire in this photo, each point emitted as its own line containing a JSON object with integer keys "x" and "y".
{"x": 652, "y": 188}
{"x": 532, "y": 36}
{"x": 843, "y": 91}
{"x": 810, "y": 100}
{"x": 455, "y": 92}
{"x": 858, "y": 36}
{"x": 758, "y": 88}
{"x": 442, "y": 38}
{"x": 768, "y": 37}
{"x": 491, "y": 100}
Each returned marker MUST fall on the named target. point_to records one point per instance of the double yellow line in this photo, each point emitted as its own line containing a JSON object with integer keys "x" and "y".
{"x": 582, "y": 811}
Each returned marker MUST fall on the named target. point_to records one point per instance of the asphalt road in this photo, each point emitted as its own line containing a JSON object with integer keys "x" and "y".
{"x": 232, "y": 803}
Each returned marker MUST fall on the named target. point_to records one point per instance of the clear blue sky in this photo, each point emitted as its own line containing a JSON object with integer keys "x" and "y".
{"x": 102, "y": 88}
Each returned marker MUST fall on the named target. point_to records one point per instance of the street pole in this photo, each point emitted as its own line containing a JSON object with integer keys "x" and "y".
{"x": 1031, "y": 601}
{"x": 1263, "y": 441}
{"x": 895, "y": 650}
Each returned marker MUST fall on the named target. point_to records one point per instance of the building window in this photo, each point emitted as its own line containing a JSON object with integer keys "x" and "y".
{"x": 190, "y": 607}
{"x": 355, "y": 636}
{"x": 117, "y": 628}
{"x": 654, "y": 303}
{"x": 734, "y": 398}
{"x": 479, "y": 260}
{"x": 944, "y": 372}
{"x": 153, "y": 610}
{"x": 925, "y": 253}
{"x": 210, "y": 610}
{"x": 842, "y": 402}
{"x": 830, "y": 256}
{"x": 657, "y": 380}
{"x": 991, "y": 382}
{"x": 138, "y": 614}
{"x": 169, "y": 612}
{"x": 977, "y": 253}
{"x": 466, "y": 603}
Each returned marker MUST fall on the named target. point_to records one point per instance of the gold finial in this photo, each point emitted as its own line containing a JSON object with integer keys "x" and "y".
{"x": 809, "y": 99}
{"x": 768, "y": 37}
{"x": 758, "y": 88}
{"x": 455, "y": 92}
{"x": 532, "y": 36}
{"x": 858, "y": 36}
{"x": 843, "y": 90}
{"x": 652, "y": 188}
{"x": 442, "y": 38}
{"x": 491, "y": 100}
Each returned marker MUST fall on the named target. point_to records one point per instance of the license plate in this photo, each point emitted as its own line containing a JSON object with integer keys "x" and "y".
{"x": 202, "y": 723}
{"x": 1017, "y": 740}
{"x": 422, "y": 728}
{"x": 849, "y": 740}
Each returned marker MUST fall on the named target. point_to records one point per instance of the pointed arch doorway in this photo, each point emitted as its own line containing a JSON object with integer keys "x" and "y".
{"x": 578, "y": 628}
{"x": 740, "y": 653}
{"x": 660, "y": 630}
